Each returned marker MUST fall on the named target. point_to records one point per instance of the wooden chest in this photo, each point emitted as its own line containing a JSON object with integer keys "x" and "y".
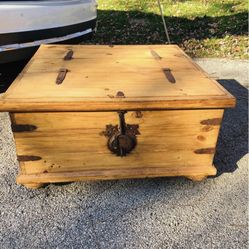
{"x": 111, "y": 112}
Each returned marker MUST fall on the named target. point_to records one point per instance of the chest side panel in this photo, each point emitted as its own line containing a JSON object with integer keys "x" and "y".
{"x": 72, "y": 146}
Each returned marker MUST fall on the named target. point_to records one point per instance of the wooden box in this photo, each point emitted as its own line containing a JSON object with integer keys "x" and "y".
{"x": 111, "y": 112}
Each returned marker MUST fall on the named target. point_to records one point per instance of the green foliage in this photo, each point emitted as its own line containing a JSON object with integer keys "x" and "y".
{"x": 211, "y": 28}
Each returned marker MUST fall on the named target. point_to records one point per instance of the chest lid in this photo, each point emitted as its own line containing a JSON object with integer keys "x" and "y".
{"x": 109, "y": 78}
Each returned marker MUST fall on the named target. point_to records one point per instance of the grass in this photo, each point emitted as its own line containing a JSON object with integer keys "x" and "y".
{"x": 213, "y": 29}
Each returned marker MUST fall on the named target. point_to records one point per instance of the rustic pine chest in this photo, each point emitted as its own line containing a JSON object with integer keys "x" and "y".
{"x": 111, "y": 112}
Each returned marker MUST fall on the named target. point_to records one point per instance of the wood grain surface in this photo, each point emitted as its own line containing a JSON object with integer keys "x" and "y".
{"x": 71, "y": 146}
{"x": 95, "y": 75}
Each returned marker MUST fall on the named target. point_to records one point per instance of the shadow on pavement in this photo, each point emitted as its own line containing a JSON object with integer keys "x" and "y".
{"x": 8, "y": 73}
{"x": 233, "y": 139}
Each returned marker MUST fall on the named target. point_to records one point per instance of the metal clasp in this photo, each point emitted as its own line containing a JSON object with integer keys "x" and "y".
{"x": 121, "y": 138}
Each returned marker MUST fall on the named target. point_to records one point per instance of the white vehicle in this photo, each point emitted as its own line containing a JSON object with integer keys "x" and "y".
{"x": 24, "y": 25}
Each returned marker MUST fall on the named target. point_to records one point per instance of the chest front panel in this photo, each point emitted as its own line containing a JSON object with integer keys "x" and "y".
{"x": 74, "y": 144}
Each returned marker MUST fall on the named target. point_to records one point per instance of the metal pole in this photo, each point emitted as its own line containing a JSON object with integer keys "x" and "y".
{"x": 164, "y": 23}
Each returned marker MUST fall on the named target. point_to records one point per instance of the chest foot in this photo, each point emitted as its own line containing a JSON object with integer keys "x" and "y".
{"x": 197, "y": 178}
{"x": 34, "y": 185}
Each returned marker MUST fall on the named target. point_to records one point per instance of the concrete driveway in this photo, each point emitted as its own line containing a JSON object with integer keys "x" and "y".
{"x": 154, "y": 213}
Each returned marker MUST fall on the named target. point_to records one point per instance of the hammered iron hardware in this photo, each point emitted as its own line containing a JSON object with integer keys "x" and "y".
{"x": 167, "y": 71}
{"x": 69, "y": 55}
{"x": 169, "y": 75}
{"x": 121, "y": 139}
{"x": 61, "y": 75}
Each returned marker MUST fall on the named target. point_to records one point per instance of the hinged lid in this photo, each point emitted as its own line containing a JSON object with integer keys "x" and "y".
{"x": 105, "y": 78}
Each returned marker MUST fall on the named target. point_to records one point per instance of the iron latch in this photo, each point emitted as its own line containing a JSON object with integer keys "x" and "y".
{"x": 122, "y": 138}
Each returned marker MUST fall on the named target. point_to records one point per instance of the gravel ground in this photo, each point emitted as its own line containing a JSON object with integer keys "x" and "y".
{"x": 154, "y": 213}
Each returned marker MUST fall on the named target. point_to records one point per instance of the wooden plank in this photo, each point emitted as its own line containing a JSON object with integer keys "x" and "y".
{"x": 118, "y": 173}
{"x": 97, "y": 73}
{"x": 93, "y": 51}
{"x": 86, "y": 86}
{"x": 169, "y": 144}
{"x": 117, "y": 65}
{"x": 172, "y": 103}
